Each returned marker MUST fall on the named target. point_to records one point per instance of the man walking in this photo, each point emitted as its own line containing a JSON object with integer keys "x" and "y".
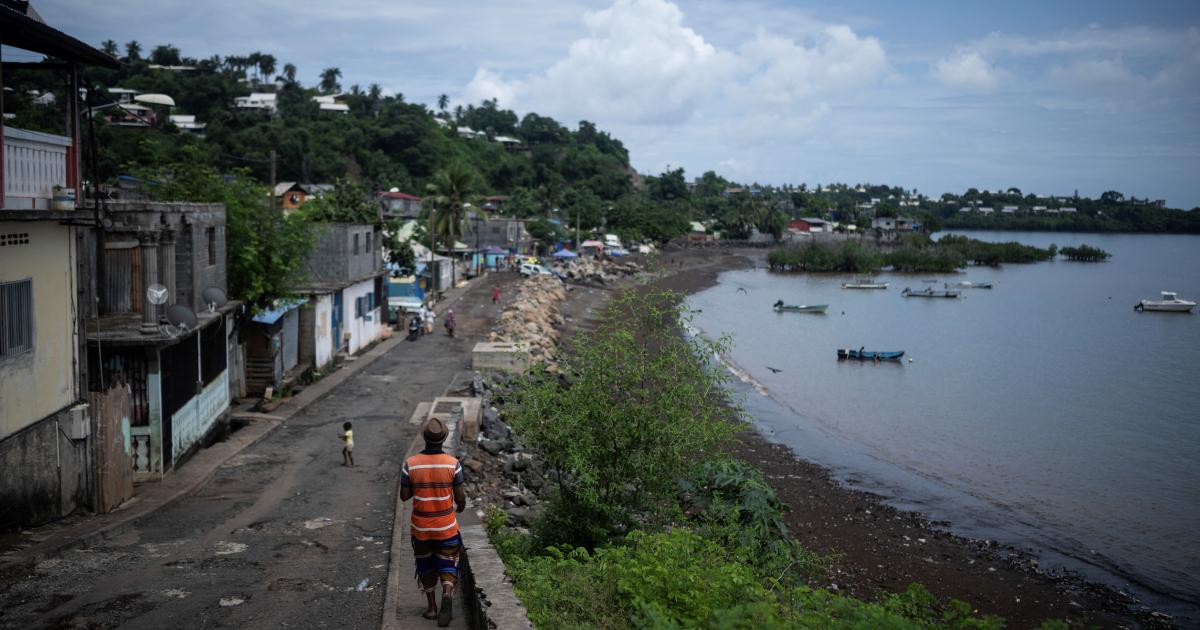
{"x": 434, "y": 480}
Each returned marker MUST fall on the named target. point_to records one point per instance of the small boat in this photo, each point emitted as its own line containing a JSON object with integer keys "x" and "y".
{"x": 1170, "y": 303}
{"x": 864, "y": 283}
{"x": 929, "y": 293}
{"x": 967, "y": 284}
{"x": 868, "y": 355}
{"x": 799, "y": 308}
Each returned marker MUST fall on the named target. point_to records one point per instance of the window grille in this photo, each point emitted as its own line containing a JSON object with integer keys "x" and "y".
{"x": 14, "y": 238}
{"x": 16, "y": 318}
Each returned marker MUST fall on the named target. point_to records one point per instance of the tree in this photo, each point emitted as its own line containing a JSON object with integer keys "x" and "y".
{"x": 398, "y": 250}
{"x": 109, "y": 47}
{"x": 133, "y": 51}
{"x": 442, "y": 102}
{"x": 265, "y": 250}
{"x": 329, "y": 80}
{"x": 289, "y": 73}
{"x": 165, "y": 55}
{"x": 346, "y": 204}
{"x": 266, "y": 65}
{"x": 448, "y": 191}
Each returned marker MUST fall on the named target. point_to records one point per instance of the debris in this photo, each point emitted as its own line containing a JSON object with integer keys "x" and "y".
{"x": 226, "y": 602}
{"x": 362, "y": 586}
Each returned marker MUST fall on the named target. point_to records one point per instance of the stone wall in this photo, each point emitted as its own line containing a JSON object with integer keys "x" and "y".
{"x": 43, "y": 473}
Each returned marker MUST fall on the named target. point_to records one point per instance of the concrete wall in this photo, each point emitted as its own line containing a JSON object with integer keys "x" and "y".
{"x": 43, "y": 473}
{"x": 333, "y": 259}
{"x": 198, "y": 416}
{"x": 366, "y": 329}
{"x": 321, "y": 332}
{"x": 36, "y": 384}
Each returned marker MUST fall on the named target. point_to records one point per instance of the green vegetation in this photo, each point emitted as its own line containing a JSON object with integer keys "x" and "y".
{"x": 266, "y": 250}
{"x": 1085, "y": 253}
{"x": 650, "y": 524}
{"x": 916, "y": 253}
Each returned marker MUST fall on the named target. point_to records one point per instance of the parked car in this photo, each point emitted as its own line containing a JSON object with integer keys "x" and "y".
{"x": 530, "y": 269}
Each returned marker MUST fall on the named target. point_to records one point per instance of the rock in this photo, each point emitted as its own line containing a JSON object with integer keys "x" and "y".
{"x": 517, "y": 462}
{"x": 518, "y": 516}
{"x": 473, "y": 465}
{"x": 493, "y": 447}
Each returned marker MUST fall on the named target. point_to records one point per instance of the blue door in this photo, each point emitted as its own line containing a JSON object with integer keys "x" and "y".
{"x": 336, "y": 324}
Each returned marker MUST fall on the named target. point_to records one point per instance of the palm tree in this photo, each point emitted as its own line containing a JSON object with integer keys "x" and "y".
{"x": 133, "y": 51}
{"x": 110, "y": 48}
{"x": 266, "y": 65}
{"x": 448, "y": 191}
{"x": 329, "y": 80}
{"x": 289, "y": 73}
{"x": 443, "y": 101}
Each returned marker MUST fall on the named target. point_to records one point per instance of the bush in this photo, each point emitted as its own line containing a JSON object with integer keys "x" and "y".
{"x": 642, "y": 410}
{"x": 1085, "y": 253}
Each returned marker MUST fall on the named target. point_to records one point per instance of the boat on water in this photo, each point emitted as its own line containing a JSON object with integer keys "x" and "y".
{"x": 1170, "y": 303}
{"x": 967, "y": 284}
{"x": 799, "y": 308}
{"x": 868, "y": 355}
{"x": 864, "y": 283}
{"x": 929, "y": 293}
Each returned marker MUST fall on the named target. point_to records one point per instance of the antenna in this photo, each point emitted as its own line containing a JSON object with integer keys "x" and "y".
{"x": 214, "y": 298}
{"x": 157, "y": 294}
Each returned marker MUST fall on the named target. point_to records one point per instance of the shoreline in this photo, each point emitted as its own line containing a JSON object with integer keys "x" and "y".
{"x": 882, "y": 548}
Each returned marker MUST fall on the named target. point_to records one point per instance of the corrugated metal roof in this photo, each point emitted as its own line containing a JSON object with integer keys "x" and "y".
{"x": 281, "y": 308}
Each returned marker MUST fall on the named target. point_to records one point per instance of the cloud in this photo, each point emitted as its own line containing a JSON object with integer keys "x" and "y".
{"x": 969, "y": 70}
{"x": 639, "y": 63}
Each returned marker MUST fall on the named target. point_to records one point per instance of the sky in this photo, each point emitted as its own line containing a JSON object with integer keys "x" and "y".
{"x": 1049, "y": 97}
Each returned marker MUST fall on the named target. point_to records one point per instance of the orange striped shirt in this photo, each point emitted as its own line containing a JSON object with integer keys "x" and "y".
{"x": 432, "y": 477}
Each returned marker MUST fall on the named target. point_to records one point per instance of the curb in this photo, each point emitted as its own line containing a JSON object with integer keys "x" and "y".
{"x": 279, "y": 418}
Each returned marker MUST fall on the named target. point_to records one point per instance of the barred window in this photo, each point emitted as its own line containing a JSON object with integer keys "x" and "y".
{"x": 16, "y": 318}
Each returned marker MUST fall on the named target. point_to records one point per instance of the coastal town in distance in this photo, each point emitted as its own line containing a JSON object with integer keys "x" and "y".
{"x": 599, "y": 313}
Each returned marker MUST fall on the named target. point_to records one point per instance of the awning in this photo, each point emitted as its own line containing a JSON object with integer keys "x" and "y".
{"x": 281, "y": 308}
{"x": 565, "y": 253}
{"x": 597, "y": 244}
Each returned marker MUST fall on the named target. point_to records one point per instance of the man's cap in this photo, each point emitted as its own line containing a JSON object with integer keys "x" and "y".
{"x": 435, "y": 431}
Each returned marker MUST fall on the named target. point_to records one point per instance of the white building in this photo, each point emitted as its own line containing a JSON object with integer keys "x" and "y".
{"x": 264, "y": 101}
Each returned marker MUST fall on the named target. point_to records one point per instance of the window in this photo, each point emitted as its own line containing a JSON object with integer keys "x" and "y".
{"x": 355, "y": 252}
{"x": 369, "y": 249}
{"x": 211, "y": 235}
{"x": 16, "y": 318}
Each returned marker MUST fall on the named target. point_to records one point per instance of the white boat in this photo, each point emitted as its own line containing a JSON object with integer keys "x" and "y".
{"x": 864, "y": 283}
{"x": 1169, "y": 303}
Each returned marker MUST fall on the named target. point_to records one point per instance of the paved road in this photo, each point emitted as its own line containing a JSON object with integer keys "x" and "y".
{"x": 283, "y": 536}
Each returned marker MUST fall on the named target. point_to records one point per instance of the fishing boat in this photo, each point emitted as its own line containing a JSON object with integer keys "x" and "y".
{"x": 868, "y": 355}
{"x": 799, "y": 308}
{"x": 929, "y": 293}
{"x": 864, "y": 283}
{"x": 967, "y": 284}
{"x": 1170, "y": 303}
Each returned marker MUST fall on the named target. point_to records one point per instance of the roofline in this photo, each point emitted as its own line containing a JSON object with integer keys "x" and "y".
{"x": 26, "y": 33}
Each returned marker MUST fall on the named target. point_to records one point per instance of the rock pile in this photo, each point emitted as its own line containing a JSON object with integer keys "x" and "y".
{"x": 588, "y": 270}
{"x": 532, "y": 317}
{"x": 501, "y": 472}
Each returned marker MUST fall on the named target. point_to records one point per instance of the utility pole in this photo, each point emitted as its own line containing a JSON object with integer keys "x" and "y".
{"x": 432, "y": 210}
{"x": 272, "y": 179}
{"x": 577, "y": 229}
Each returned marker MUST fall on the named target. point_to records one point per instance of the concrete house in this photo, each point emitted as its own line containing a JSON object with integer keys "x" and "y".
{"x": 499, "y": 232}
{"x": 397, "y": 205}
{"x": 263, "y": 101}
{"x": 290, "y": 195}
{"x": 344, "y": 293}
{"x": 46, "y": 417}
{"x": 176, "y": 372}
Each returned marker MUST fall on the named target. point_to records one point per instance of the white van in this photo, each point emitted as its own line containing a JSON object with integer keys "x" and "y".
{"x": 611, "y": 241}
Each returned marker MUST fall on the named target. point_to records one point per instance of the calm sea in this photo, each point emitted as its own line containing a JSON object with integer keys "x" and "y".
{"x": 1044, "y": 413}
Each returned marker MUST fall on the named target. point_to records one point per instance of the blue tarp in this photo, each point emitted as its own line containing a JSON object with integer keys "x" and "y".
{"x": 281, "y": 308}
{"x": 565, "y": 253}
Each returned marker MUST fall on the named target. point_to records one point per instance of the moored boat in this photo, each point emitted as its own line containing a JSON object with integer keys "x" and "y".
{"x": 929, "y": 293}
{"x": 967, "y": 284}
{"x": 864, "y": 283}
{"x": 868, "y": 355}
{"x": 1170, "y": 303}
{"x": 799, "y": 308}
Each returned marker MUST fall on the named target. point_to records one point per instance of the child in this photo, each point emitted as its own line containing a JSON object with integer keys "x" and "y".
{"x": 347, "y": 448}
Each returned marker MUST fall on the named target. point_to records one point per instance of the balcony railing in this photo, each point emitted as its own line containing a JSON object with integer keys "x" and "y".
{"x": 34, "y": 163}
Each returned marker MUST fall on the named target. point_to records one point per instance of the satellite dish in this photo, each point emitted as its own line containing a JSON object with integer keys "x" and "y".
{"x": 214, "y": 298}
{"x": 157, "y": 294}
{"x": 155, "y": 99}
{"x": 182, "y": 317}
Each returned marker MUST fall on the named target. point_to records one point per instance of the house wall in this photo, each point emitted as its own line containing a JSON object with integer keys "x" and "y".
{"x": 37, "y": 384}
{"x": 366, "y": 329}
{"x": 43, "y": 473}
{"x": 198, "y": 416}
{"x": 290, "y": 336}
{"x": 333, "y": 258}
{"x": 320, "y": 333}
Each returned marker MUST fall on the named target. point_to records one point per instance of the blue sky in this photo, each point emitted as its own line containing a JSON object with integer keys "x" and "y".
{"x": 1051, "y": 97}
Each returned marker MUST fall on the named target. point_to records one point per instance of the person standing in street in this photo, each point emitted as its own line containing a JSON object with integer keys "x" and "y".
{"x": 450, "y": 322}
{"x": 495, "y": 295}
{"x": 421, "y": 313}
{"x": 429, "y": 317}
{"x": 434, "y": 480}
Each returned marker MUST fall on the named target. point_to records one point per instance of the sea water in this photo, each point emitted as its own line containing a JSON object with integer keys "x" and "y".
{"x": 1044, "y": 413}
